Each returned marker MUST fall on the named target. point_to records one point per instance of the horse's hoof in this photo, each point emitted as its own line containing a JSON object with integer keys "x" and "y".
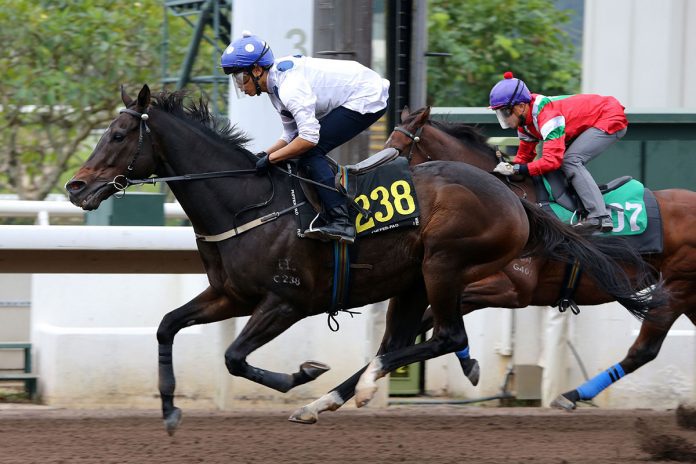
{"x": 364, "y": 395}
{"x": 172, "y": 421}
{"x": 304, "y": 416}
{"x": 471, "y": 369}
{"x": 561, "y": 402}
{"x": 314, "y": 369}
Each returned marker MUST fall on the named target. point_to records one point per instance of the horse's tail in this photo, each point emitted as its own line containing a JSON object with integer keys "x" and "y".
{"x": 603, "y": 258}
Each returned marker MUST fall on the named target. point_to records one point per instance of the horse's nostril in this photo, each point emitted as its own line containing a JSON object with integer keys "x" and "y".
{"x": 75, "y": 186}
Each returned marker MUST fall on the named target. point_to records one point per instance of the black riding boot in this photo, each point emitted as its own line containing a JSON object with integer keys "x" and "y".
{"x": 339, "y": 226}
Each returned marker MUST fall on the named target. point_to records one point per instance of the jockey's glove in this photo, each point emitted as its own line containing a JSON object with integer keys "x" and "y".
{"x": 262, "y": 165}
{"x": 508, "y": 169}
{"x": 504, "y": 168}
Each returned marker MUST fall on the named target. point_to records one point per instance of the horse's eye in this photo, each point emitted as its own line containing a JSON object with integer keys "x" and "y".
{"x": 118, "y": 137}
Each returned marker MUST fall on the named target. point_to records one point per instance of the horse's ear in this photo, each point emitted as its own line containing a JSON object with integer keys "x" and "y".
{"x": 124, "y": 97}
{"x": 422, "y": 118}
{"x": 144, "y": 97}
{"x": 404, "y": 113}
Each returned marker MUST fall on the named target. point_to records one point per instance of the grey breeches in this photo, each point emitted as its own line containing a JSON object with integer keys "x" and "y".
{"x": 584, "y": 148}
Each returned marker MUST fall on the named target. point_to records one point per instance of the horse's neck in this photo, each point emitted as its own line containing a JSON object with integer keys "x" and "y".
{"x": 449, "y": 148}
{"x": 210, "y": 204}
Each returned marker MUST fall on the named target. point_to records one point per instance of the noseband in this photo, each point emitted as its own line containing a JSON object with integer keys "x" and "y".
{"x": 415, "y": 138}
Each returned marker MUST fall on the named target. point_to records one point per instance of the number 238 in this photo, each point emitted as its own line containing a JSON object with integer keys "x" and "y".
{"x": 397, "y": 198}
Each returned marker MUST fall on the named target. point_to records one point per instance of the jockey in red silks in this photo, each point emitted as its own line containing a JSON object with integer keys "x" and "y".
{"x": 574, "y": 128}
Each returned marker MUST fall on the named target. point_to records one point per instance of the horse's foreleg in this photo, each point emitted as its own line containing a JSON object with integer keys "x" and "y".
{"x": 644, "y": 349}
{"x": 271, "y": 318}
{"x": 209, "y": 306}
{"x": 402, "y": 328}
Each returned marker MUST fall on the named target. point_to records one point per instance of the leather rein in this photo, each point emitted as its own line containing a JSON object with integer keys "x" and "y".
{"x": 121, "y": 182}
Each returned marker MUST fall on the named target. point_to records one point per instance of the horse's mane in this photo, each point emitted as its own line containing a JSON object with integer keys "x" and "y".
{"x": 469, "y": 135}
{"x": 174, "y": 104}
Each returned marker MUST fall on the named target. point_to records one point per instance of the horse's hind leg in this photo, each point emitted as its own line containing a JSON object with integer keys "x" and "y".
{"x": 402, "y": 328}
{"x": 448, "y": 331}
{"x": 470, "y": 366}
{"x": 644, "y": 349}
{"x": 271, "y": 318}
{"x": 209, "y": 306}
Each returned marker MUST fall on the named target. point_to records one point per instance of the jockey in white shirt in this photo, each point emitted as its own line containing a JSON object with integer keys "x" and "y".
{"x": 322, "y": 104}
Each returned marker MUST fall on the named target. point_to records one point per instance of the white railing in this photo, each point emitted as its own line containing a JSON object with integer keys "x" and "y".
{"x": 43, "y": 210}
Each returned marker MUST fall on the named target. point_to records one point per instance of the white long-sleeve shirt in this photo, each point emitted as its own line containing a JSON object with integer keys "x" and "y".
{"x": 304, "y": 89}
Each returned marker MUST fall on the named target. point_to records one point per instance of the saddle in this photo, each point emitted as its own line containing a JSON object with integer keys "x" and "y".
{"x": 633, "y": 208}
{"x": 556, "y": 188}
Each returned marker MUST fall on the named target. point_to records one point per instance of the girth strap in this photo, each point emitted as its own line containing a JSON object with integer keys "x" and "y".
{"x": 341, "y": 284}
{"x": 249, "y": 225}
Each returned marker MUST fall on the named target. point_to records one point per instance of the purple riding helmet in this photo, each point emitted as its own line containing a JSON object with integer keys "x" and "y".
{"x": 506, "y": 94}
{"x": 509, "y": 92}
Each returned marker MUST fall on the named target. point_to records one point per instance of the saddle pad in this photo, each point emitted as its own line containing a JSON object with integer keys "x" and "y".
{"x": 390, "y": 197}
{"x": 651, "y": 240}
{"x": 387, "y": 193}
{"x": 628, "y": 214}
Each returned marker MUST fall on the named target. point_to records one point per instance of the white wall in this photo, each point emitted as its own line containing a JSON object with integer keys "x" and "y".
{"x": 641, "y": 51}
{"x": 95, "y": 345}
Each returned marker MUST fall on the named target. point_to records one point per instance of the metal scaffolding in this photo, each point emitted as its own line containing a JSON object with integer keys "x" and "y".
{"x": 210, "y": 21}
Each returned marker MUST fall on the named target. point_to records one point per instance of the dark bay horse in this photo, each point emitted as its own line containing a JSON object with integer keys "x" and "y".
{"x": 511, "y": 289}
{"x": 470, "y": 227}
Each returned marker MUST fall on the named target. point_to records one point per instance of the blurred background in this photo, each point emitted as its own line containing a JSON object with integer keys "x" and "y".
{"x": 82, "y": 327}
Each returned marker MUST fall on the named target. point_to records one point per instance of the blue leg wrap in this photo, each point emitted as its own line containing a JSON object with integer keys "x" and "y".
{"x": 464, "y": 354}
{"x": 592, "y": 387}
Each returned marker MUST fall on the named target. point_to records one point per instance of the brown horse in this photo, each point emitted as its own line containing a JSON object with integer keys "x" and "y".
{"x": 511, "y": 289}
{"x": 470, "y": 227}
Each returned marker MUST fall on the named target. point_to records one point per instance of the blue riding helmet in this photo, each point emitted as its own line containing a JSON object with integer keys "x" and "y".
{"x": 509, "y": 92}
{"x": 244, "y": 53}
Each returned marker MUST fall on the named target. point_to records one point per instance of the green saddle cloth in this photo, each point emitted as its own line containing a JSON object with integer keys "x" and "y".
{"x": 626, "y": 205}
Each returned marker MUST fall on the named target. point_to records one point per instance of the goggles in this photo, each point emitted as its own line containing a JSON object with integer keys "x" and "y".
{"x": 504, "y": 115}
{"x": 241, "y": 78}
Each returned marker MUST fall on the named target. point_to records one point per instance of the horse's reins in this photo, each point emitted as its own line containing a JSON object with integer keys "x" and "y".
{"x": 499, "y": 156}
{"x": 415, "y": 138}
{"x": 121, "y": 182}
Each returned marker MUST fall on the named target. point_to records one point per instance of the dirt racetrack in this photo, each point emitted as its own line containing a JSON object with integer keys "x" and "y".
{"x": 410, "y": 434}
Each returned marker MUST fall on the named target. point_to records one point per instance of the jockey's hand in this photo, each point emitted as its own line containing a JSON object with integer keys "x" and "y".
{"x": 261, "y": 154}
{"x": 262, "y": 165}
{"x": 505, "y": 169}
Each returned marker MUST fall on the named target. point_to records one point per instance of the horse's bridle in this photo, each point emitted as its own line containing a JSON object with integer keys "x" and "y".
{"x": 121, "y": 181}
{"x": 143, "y": 117}
{"x": 415, "y": 138}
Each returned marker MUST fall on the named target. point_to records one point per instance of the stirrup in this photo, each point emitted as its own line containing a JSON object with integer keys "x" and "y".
{"x": 316, "y": 233}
